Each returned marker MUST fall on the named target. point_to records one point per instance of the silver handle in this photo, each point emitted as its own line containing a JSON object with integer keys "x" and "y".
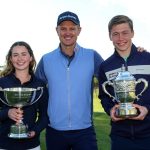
{"x": 105, "y": 90}
{"x": 145, "y": 86}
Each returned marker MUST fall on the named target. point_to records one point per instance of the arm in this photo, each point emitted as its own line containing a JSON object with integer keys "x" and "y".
{"x": 40, "y": 73}
{"x": 3, "y": 109}
{"x": 11, "y": 113}
{"x": 143, "y": 111}
{"x": 106, "y": 101}
{"x": 15, "y": 114}
{"x": 42, "y": 121}
{"x": 97, "y": 62}
{"x": 3, "y": 113}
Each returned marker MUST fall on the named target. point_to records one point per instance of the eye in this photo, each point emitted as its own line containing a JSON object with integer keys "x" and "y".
{"x": 125, "y": 33}
{"x": 115, "y": 34}
{"x": 62, "y": 29}
{"x": 72, "y": 29}
{"x": 14, "y": 55}
{"x": 24, "y": 54}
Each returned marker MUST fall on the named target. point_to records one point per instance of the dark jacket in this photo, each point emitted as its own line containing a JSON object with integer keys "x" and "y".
{"x": 138, "y": 65}
{"x": 35, "y": 116}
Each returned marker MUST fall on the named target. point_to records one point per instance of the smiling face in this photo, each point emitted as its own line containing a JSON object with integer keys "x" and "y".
{"x": 20, "y": 58}
{"x": 121, "y": 35}
{"x": 68, "y": 33}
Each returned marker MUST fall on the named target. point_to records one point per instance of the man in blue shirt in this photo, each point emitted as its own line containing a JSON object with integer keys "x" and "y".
{"x": 69, "y": 71}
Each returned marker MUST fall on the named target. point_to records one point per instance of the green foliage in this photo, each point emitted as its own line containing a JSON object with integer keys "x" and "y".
{"x": 95, "y": 82}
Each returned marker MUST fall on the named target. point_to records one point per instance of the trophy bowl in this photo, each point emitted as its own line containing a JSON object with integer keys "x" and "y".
{"x": 19, "y": 97}
{"x": 124, "y": 86}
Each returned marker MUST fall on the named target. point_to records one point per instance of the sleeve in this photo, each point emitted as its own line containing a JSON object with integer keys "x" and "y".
{"x": 42, "y": 120}
{"x": 40, "y": 73}
{"x": 106, "y": 101}
{"x": 3, "y": 107}
{"x": 97, "y": 62}
{"x": 3, "y": 113}
{"x": 148, "y": 108}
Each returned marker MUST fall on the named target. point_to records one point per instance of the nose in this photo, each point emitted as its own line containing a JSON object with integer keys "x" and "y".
{"x": 120, "y": 36}
{"x": 19, "y": 57}
{"x": 68, "y": 32}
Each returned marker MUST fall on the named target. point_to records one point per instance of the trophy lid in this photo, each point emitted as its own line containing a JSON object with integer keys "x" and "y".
{"x": 124, "y": 75}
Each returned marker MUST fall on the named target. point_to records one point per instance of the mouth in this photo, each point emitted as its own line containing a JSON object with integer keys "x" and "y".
{"x": 121, "y": 44}
{"x": 20, "y": 63}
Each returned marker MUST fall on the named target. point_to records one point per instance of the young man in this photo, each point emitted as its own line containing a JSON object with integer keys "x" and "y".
{"x": 69, "y": 72}
{"x": 132, "y": 133}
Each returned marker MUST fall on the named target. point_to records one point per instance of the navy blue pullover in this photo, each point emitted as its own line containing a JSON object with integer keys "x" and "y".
{"x": 35, "y": 116}
{"x": 138, "y": 65}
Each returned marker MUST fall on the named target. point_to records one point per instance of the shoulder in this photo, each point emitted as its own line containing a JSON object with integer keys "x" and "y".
{"x": 49, "y": 54}
{"x": 109, "y": 60}
{"x": 144, "y": 53}
{"x": 6, "y": 81}
{"x": 37, "y": 81}
{"x": 89, "y": 50}
{"x": 6, "y": 78}
{"x": 143, "y": 56}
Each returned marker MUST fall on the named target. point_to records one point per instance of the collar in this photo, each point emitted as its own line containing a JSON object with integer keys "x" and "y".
{"x": 132, "y": 53}
{"x": 76, "y": 48}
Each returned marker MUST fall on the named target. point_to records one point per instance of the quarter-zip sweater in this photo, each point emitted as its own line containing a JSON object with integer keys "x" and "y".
{"x": 35, "y": 116}
{"x": 138, "y": 64}
{"x": 70, "y": 87}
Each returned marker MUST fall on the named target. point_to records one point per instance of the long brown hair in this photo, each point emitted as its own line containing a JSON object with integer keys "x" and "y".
{"x": 9, "y": 68}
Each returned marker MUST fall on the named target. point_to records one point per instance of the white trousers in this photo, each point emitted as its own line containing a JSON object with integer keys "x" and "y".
{"x": 36, "y": 148}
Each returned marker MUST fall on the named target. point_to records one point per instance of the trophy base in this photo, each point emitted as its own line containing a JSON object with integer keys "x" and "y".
{"x": 18, "y": 131}
{"x": 126, "y": 110}
{"x": 18, "y": 136}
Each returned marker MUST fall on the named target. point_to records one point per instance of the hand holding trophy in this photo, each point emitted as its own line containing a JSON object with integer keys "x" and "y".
{"x": 19, "y": 97}
{"x": 124, "y": 88}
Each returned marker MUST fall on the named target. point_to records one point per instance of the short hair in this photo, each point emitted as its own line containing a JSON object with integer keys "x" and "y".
{"x": 119, "y": 19}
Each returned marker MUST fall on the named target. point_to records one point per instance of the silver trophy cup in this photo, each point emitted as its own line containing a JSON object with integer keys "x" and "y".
{"x": 19, "y": 97}
{"x": 124, "y": 90}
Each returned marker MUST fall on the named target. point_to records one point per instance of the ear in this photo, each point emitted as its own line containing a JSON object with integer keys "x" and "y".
{"x": 110, "y": 37}
{"x": 31, "y": 58}
{"x": 79, "y": 30}
{"x": 57, "y": 30}
{"x": 132, "y": 34}
{"x": 10, "y": 59}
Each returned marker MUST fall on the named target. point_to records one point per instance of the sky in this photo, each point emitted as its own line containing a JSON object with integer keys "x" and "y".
{"x": 34, "y": 21}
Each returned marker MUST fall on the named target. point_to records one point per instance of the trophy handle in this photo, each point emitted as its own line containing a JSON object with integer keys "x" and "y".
{"x": 1, "y": 90}
{"x": 104, "y": 88}
{"x": 145, "y": 86}
{"x": 33, "y": 101}
{"x": 4, "y": 102}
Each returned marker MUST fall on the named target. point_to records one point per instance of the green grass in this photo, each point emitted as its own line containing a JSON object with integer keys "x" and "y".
{"x": 102, "y": 126}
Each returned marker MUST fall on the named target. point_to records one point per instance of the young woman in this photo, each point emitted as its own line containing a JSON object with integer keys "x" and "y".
{"x": 19, "y": 72}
